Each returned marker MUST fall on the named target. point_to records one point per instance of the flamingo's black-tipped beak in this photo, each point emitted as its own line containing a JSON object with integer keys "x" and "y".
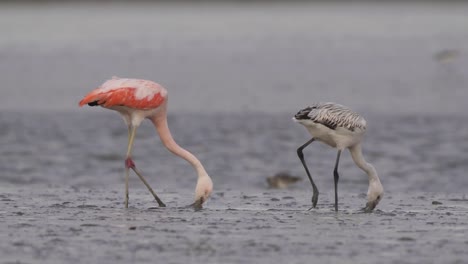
{"x": 198, "y": 204}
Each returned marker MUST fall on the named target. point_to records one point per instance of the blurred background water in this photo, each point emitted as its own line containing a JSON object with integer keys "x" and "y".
{"x": 236, "y": 73}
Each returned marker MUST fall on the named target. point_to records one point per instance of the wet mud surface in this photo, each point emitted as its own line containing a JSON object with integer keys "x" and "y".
{"x": 60, "y": 224}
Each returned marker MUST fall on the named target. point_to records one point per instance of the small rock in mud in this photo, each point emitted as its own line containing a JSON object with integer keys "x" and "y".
{"x": 436, "y": 202}
{"x": 446, "y": 55}
{"x": 282, "y": 180}
{"x": 406, "y": 239}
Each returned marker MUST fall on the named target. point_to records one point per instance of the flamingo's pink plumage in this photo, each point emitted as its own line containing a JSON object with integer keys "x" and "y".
{"x": 136, "y": 100}
{"x": 133, "y": 93}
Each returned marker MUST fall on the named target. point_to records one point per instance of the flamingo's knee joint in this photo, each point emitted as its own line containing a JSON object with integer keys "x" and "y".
{"x": 129, "y": 163}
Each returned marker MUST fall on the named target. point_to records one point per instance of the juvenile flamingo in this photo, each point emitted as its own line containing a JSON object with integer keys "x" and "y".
{"x": 136, "y": 100}
{"x": 340, "y": 128}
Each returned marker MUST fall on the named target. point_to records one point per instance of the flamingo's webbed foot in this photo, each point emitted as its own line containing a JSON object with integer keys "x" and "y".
{"x": 314, "y": 199}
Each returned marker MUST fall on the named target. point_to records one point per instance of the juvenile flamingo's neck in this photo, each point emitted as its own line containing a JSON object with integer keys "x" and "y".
{"x": 375, "y": 190}
{"x": 160, "y": 122}
{"x": 356, "y": 155}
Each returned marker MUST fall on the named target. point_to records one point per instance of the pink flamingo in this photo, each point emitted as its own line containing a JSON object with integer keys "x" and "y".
{"x": 136, "y": 100}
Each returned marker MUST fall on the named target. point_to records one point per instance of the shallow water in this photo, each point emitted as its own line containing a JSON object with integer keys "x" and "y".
{"x": 238, "y": 150}
{"x": 234, "y": 87}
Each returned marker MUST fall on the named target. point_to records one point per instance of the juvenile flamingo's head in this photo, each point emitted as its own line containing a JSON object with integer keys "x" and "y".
{"x": 203, "y": 190}
{"x": 374, "y": 195}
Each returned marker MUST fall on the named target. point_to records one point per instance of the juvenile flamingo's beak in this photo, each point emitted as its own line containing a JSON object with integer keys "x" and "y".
{"x": 370, "y": 207}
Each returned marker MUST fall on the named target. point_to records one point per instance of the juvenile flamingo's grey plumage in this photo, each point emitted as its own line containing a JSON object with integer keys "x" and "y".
{"x": 340, "y": 128}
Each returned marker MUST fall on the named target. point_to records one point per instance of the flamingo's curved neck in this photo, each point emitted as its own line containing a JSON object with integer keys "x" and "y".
{"x": 160, "y": 122}
{"x": 356, "y": 154}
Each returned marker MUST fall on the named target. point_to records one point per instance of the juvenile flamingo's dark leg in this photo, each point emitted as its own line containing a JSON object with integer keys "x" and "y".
{"x": 336, "y": 177}
{"x": 314, "y": 187}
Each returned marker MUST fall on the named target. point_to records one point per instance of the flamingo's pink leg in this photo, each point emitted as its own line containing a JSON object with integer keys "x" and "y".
{"x": 129, "y": 164}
